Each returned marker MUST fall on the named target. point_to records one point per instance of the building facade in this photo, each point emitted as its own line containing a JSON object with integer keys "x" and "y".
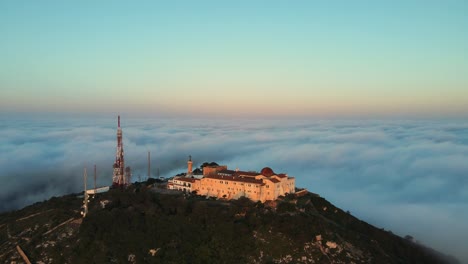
{"x": 182, "y": 183}
{"x": 219, "y": 182}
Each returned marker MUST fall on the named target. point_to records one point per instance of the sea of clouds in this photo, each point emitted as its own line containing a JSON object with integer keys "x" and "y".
{"x": 407, "y": 176}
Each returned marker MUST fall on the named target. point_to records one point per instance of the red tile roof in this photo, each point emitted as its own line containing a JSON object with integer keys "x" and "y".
{"x": 239, "y": 173}
{"x": 234, "y": 178}
{"x": 185, "y": 179}
{"x": 246, "y": 173}
{"x": 274, "y": 180}
{"x": 230, "y": 172}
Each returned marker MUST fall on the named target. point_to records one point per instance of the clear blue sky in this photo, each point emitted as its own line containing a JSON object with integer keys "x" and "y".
{"x": 235, "y": 57}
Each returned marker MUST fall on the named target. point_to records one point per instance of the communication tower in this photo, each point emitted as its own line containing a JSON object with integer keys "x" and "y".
{"x": 119, "y": 178}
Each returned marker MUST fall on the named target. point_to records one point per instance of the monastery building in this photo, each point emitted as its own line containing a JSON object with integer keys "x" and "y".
{"x": 218, "y": 181}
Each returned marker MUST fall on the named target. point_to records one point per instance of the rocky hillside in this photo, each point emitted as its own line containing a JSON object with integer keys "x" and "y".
{"x": 146, "y": 225}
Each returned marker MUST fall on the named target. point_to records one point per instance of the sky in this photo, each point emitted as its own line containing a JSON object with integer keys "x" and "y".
{"x": 365, "y": 102}
{"x": 235, "y": 58}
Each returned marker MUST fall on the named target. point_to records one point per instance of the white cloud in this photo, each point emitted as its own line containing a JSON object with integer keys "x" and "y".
{"x": 393, "y": 174}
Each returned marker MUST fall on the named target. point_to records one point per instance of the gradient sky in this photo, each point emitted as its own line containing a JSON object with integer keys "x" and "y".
{"x": 277, "y": 58}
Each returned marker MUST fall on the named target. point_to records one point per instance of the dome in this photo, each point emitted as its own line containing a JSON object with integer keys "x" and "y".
{"x": 267, "y": 171}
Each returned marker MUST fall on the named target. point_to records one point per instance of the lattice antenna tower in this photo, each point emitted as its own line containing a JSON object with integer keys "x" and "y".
{"x": 119, "y": 178}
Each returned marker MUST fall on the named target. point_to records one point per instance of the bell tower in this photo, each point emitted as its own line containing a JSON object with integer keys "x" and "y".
{"x": 189, "y": 166}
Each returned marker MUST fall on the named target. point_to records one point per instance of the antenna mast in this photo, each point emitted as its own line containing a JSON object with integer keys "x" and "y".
{"x": 128, "y": 174}
{"x": 149, "y": 165}
{"x": 95, "y": 175}
{"x": 85, "y": 202}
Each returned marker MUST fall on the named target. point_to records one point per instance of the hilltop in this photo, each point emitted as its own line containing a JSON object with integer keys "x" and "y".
{"x": 144, "y": 224}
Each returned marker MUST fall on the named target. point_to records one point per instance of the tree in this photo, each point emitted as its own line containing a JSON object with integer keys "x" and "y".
{"x": 208, "y": 164}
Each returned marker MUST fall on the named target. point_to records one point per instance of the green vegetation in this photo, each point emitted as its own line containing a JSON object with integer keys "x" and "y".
{"x": 208, "y": 164}
{"x": 186, "y": 228}
{"x": 192, "y": 229}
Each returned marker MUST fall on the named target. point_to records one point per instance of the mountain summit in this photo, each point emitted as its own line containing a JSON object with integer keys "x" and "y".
{"x": 144, "y": 224}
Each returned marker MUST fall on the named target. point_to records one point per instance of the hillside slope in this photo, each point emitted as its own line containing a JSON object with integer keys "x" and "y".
{"x": 143, "y": 225}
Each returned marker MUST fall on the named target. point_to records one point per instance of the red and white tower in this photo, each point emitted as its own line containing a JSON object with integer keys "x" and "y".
{"x": 118, "y": 178}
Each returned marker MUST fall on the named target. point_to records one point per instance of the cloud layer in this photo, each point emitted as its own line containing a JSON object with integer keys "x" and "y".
{"x": 408, "y": 176}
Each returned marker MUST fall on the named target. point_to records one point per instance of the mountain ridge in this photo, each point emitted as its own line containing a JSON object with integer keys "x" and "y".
{"x": 145, "y": 224}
